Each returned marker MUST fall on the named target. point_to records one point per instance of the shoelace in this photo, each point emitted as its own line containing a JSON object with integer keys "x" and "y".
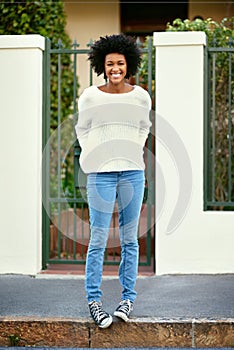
{"x": 98, "y": 313}
{"x": 125, "y": 306}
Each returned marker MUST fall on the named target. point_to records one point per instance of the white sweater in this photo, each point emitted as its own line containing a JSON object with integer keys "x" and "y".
{"x": 112, "y": 129}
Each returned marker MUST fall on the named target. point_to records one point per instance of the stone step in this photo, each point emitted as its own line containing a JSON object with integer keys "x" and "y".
{"x": 138, "y": 332}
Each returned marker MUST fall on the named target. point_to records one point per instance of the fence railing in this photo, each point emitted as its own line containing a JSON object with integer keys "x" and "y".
{"x": 218, "y": 127}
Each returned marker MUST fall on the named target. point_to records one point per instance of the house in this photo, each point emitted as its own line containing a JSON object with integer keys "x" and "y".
{"x": 90, "y": 19}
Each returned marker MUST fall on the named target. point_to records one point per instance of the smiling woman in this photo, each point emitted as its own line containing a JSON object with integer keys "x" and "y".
{"x": 112, "y": 129}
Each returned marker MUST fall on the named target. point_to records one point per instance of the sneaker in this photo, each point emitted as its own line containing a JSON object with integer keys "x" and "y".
{"x": 100, "y": 317}
{"x": 124, "y": 309}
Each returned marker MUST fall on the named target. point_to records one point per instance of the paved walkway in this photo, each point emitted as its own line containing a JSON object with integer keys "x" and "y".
{"x": 170, "y": 296}
{"x": 170, "y": 307}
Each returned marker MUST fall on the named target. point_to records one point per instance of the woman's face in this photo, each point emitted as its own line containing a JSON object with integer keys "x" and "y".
{"x": 115, "y": 67}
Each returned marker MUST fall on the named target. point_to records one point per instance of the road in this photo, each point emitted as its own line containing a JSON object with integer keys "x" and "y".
{"x": 20, "y": 348}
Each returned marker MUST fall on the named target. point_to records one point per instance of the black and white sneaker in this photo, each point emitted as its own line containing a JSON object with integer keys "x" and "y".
{"x": 124, "y": 309}
{"x": 100, "y": 317}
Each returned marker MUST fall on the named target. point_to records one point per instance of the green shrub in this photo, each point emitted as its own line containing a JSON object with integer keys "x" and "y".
{"x": 47, "y": 19}
{"x": 218, "y": 34}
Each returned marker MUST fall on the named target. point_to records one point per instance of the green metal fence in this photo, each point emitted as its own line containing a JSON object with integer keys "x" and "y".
{"x": 65, "y": 212}
{"x": 218, "y": 127}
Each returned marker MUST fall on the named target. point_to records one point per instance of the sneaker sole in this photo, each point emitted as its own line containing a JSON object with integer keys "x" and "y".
{"x": 107, "y": 324}
{"x": 121, "y": 315}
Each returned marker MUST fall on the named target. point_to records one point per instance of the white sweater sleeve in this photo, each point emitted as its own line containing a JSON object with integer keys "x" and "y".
{"x": 83, "y": 124}
{"x": 145, "y": 124}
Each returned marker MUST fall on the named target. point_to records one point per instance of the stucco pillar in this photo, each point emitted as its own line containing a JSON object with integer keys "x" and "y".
{"x": 188, "y": 239}
{"x": 21, "y": 59}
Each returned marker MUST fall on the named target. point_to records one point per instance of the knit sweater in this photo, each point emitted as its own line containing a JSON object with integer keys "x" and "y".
{"x": 112, "y": 129}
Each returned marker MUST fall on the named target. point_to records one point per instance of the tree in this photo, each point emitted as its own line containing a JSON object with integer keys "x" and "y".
{"x": 47, "y": 19}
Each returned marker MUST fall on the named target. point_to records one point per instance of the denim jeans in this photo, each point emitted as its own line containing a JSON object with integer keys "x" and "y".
{"x": 103, "y": 189}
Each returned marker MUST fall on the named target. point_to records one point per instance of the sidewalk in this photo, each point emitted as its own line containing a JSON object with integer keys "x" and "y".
{"x": 170, "y": 311}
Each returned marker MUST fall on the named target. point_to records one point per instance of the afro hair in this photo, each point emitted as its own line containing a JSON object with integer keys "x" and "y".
{"x": 116, "y": 43}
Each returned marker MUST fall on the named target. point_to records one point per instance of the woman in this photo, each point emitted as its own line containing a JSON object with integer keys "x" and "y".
{"x": 112, "y": 129}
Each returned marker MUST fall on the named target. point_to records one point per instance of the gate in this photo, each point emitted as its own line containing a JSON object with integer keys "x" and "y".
{"x": 218, "y": 128}
{"x": 65, "y": 211}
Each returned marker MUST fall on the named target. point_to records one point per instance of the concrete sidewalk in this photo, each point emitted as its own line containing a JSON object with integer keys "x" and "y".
{"x": 171, "y": 311}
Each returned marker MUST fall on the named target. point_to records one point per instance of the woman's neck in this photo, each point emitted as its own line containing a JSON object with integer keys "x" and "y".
{"x": 116, "y": 89}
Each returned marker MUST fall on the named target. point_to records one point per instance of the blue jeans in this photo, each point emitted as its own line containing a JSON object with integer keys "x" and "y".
{"x": 103, "y": 189}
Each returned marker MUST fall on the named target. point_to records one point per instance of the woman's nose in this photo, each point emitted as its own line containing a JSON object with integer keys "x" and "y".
{"x": 115, "y": 67}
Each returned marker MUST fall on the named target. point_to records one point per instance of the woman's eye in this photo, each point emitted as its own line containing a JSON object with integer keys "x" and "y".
{"x": 111, "y": 64}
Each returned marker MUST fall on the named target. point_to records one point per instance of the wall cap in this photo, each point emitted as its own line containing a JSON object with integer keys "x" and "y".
{"x": 179, "y": 38}
{"x": 30, "y": 41}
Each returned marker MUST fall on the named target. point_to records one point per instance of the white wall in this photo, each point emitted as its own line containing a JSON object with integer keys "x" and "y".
{"x": 203, "y": 242}
{"x": 20, "y": 144}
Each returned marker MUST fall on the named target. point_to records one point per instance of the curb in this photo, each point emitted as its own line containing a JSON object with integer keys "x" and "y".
{"x": 138, "y": 332}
